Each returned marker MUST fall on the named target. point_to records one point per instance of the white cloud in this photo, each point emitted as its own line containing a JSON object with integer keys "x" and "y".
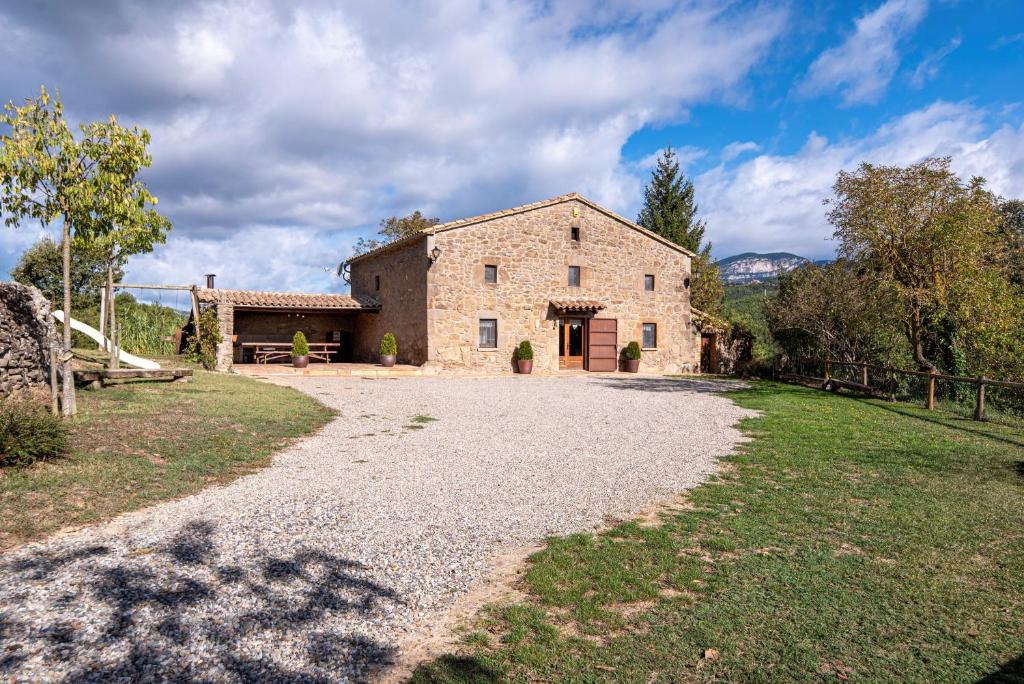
{"x": 319, "y": 119}
{"x": 735, "y": 149}
{"x": 864, "y": 64}
{"x": 774, "y": 202}
{"x": 930, "y": 65}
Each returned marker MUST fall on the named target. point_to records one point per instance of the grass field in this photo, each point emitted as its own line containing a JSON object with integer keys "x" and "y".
{"x": 138, "y": 443}
{"x": 851, "y": 540}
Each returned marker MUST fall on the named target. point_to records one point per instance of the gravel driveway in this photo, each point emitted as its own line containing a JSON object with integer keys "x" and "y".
{"x": 315, "y": 567}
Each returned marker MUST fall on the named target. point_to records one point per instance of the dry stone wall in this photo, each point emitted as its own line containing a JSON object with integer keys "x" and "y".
{"x": 26, "y": 330}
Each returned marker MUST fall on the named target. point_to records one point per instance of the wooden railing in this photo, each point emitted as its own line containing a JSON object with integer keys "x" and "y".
{"x": 828, "y": 381}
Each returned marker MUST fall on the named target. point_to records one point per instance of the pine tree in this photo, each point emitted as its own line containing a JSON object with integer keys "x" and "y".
{"x": 670, "y": 209}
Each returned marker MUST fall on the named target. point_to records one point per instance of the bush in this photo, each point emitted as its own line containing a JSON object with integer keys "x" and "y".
{"x": 300, "y": 347}
{"x": 388, "y": 345}
{"x": 29, "y": 432}
{"x": 202, "y": 346}
{"x": 633, "y": 351}
{"x": 525, "y": 351}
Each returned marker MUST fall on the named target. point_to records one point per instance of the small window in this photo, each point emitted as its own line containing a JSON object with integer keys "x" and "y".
{"x": 490, "y": 273}
{"x": 650, "y": 336}
{"x": 376, "y": 282}
{"x": 649, "y": 282}
{"x": 575, "y": 233}
{"x": 574, "y": 276}
{"x": 488, "y": 333}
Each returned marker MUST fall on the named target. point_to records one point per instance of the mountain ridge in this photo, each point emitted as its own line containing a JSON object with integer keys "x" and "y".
{"x": 754, "y": 267}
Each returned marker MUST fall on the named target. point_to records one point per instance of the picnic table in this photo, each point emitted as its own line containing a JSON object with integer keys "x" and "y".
{"x": 265, "y": 352}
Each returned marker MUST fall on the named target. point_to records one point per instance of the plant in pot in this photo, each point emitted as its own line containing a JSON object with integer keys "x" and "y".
{"x": 632, "y": 357}
{"x": 524, "y": 357}
{"x": 388, "y": 350}
{"x": 300, "y": 350}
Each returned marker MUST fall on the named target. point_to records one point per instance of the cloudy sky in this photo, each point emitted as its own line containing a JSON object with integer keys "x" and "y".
{"x": 284, "y": 131}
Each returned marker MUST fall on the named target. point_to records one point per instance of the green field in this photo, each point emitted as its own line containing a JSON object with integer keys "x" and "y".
{"x": 852, "y": 539}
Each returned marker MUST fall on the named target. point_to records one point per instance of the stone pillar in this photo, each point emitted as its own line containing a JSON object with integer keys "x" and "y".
{"x": 26, "y": 330}
{"x": 226, "y": 323}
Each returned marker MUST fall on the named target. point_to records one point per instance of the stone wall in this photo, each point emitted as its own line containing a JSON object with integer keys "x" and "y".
{"x": 533, "y": 251}
{"x": 402, "y": 274}
{"x": 26, "y": 329}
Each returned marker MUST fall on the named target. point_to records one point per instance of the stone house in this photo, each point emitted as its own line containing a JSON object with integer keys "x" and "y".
{"x": 577, "y": 280}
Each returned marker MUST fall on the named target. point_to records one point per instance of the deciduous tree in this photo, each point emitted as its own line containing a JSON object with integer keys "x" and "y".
{"x": 88, "y": 183}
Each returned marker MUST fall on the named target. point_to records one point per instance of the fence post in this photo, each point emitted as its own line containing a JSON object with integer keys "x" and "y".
{"x": 979, "y": 408}
{"x": 864, "y": 373}
{"x": 930, "y": 403}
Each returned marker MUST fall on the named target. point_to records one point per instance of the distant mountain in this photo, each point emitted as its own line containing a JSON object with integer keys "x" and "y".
{"x": 749, "y": 267}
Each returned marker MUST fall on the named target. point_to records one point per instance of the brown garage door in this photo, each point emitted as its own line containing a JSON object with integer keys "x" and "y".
{"x": 602, "y": 339}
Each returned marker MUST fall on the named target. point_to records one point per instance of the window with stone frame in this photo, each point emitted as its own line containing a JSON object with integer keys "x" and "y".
{"x": 574, "y": 276}
{"x": 488, "y": 333}
{"x": 574, "y": 233}
{"x": 490, "y": 274}
{"x": 649, "y": 282}
{"x": 376, "y": 282}
{"x": 650, "y": 336}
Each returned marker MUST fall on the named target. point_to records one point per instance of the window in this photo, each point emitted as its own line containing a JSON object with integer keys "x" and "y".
{"x": 376, "y": 282}
{"x": 488, "y": 333}
{"x": 574, "y": 276}
{"x": 650, "y": 336}
{"x": 575, "y": 234}
{"x": 649, "y": 282}
{"x": 490, "y": 273}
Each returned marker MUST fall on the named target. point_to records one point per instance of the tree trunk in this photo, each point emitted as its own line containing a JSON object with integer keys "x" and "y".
{"x": 69, "y": 408}
{"x": 916, "y": 343}
{"x": 102, "y": 345}
{"x": 111, "y": 312}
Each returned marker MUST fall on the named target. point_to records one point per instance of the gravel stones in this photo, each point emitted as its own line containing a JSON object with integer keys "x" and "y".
{"x": 314, "y": 568}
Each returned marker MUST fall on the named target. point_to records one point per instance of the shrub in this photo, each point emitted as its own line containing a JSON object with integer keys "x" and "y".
{"x": 525, "y": 351}
{"x": 29, "y": 432}
{"x": 388, "y": 345}
{"x": 202, "y": 346}
{"x": 300, "y": 347}
{"x": 633, "y": 351}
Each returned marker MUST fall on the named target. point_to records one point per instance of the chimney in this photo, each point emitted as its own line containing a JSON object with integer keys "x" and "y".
{"x": 209, "y": 280}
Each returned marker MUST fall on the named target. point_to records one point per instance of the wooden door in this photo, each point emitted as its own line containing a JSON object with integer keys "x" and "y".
{"x": 602, "y": 339}
{"x": 571, "y": 341}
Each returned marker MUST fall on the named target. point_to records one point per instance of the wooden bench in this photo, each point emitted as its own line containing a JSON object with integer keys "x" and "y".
{"x": 266, "y": 352}
{"x": 98, "y": 378}
{"x": 834, "y": 385}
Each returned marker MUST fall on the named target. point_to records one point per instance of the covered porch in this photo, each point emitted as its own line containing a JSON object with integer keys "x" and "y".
{"x": 257, "y": 327}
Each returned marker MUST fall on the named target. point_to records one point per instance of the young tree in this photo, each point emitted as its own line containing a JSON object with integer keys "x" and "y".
{"x": 923, "y": 232}
{"x": 670, "y": 208}
{"x": 87, "y": 183}
{"x": 395, "y": 228}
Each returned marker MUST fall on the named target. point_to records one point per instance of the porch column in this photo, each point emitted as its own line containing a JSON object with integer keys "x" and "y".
{"x": 226, "y": 323}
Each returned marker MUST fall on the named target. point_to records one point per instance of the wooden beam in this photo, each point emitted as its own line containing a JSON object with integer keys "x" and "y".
{"x": 129, "y": 286}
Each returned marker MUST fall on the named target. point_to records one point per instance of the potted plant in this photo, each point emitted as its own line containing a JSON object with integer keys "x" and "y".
{"x": 300, "y": 350}
{"x": 388, "y": 350}
{"x": 524, "y": 357}
{"x": 632, "y": 357}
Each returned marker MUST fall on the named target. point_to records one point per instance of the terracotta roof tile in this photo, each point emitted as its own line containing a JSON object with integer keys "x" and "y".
{"x": 285, "y": 300}
{"x": 577, "y": 304}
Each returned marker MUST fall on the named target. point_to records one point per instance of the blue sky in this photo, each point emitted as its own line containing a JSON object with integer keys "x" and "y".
{"x": 282, "y": 132}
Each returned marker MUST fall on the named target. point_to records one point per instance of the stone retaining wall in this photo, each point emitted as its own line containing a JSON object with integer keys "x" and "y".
{"x": 26, "y": 328}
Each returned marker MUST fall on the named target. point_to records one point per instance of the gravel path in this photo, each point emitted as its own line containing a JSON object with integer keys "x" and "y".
{"x": 312, "y": 569}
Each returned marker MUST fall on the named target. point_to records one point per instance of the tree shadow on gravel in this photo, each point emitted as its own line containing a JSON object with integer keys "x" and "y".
{"x": 669, "y": 384}
{"x": 180, "y": 612}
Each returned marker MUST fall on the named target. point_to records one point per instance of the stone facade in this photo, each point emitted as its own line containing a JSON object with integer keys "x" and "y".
{"x": 397, "y": 279}
{"x": 435, "y": 309}
{"x": 26, "y": 330}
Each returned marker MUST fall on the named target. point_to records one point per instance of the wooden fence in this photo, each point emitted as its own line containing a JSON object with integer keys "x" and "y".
{"x": 796, "y": 369}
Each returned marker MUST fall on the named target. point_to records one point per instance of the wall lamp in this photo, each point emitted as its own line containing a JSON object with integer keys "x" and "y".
{"x": 435, "y": 254}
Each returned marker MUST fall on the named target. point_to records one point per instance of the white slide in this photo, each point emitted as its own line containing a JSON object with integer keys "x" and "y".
{"x": 123, "y": 356}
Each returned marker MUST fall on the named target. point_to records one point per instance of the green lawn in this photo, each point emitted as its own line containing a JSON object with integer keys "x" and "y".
{"x": 852, "y": 539}
{"x": 138, "y": 443}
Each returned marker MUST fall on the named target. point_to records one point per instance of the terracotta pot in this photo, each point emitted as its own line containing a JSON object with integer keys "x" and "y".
{"x": 300, "y": 361}
{"x": 387, "y": 360}
{"x": 632, "y": 365}
{"x": 525, "y": 366}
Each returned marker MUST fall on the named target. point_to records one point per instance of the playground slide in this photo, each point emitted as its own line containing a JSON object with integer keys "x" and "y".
{"x": 123, "y": 356}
